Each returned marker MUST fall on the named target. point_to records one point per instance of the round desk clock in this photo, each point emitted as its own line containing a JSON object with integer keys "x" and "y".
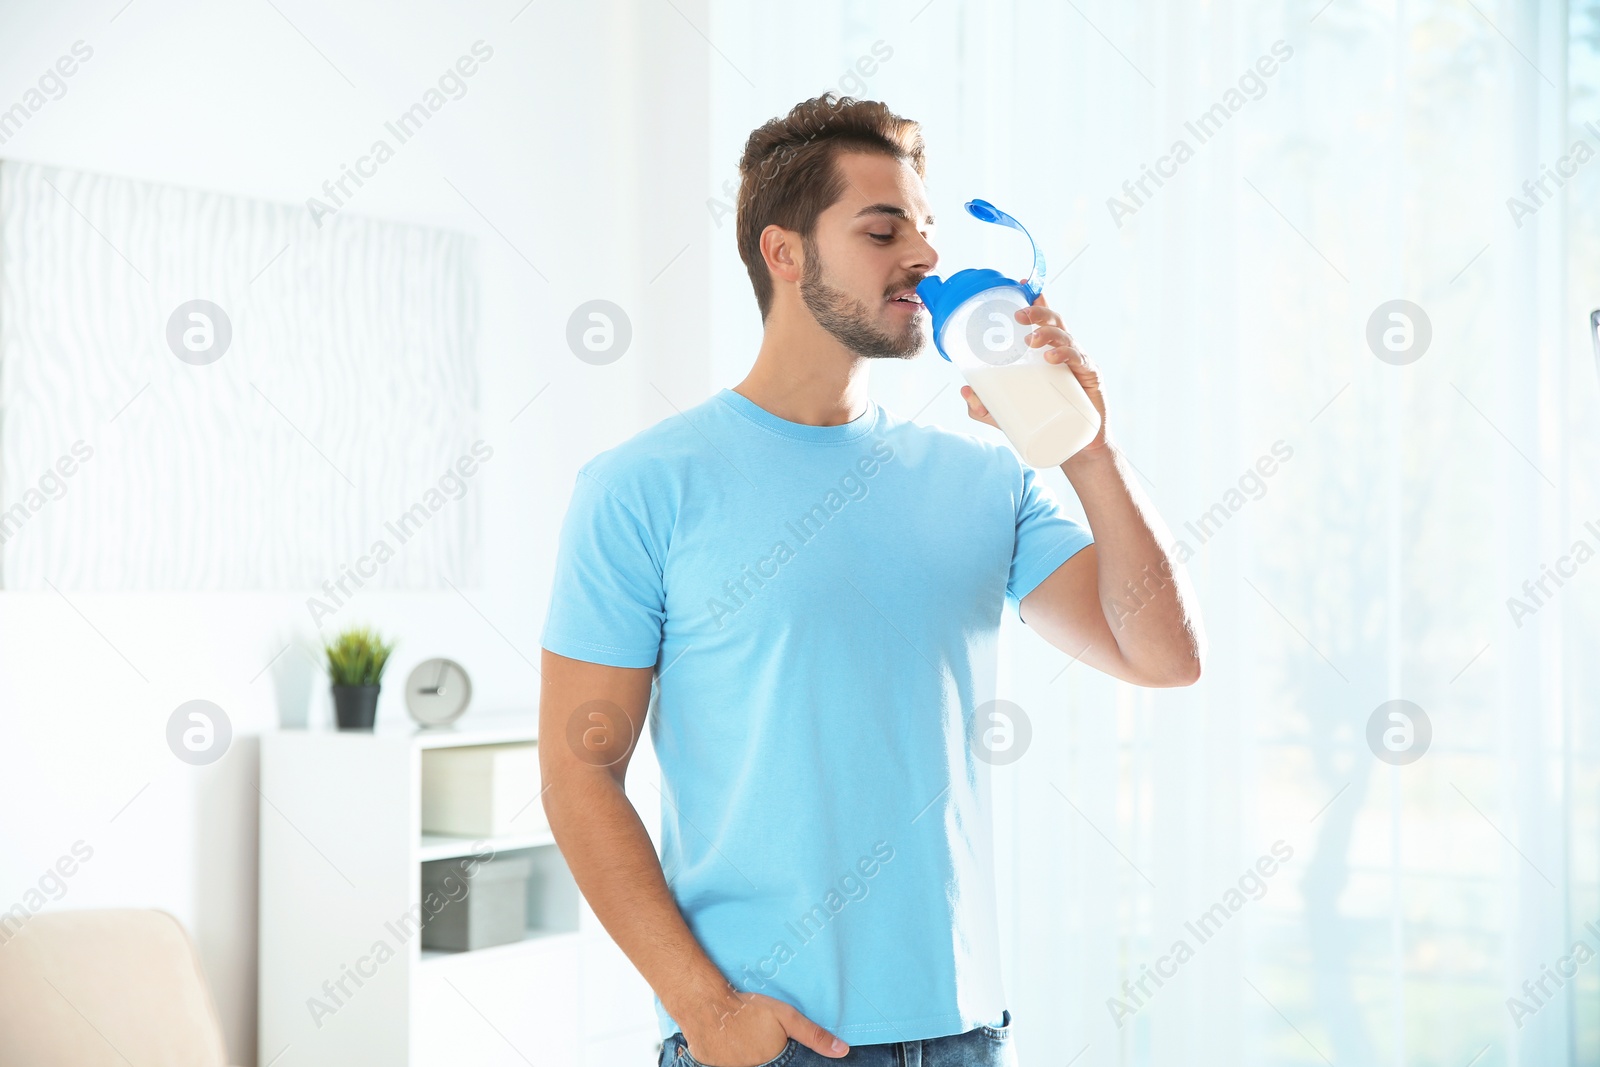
{"x": 438, "y": 692}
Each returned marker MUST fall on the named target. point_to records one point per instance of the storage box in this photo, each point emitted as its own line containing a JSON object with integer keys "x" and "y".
{"x": 482, "y": 790}
{"x": 492, "y": 911}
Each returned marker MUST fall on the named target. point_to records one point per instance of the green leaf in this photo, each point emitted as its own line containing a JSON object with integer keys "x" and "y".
{"x": 357, "y": 657}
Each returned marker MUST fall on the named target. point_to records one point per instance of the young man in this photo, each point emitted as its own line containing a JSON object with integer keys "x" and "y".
{"x": 806, "y": 588}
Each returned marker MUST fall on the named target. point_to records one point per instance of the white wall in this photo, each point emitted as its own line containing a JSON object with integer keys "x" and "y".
{"x": 582, "y": 142}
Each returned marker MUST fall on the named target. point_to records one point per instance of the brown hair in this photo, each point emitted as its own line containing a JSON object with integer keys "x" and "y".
{"x": 788, "y": 173}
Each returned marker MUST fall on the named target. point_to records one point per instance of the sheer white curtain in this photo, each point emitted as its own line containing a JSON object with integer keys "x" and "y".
{"x": 1356, "y": 524}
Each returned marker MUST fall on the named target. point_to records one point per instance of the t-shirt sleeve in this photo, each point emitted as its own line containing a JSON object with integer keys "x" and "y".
{"x": 607, "y": 600}
{"x": 1046, "y": 538}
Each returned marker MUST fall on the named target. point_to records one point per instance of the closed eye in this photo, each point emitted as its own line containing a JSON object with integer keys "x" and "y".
{"x": 881, "y": 236}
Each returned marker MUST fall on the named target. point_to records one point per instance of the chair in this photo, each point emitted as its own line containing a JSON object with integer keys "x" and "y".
{"x": 105, "y": 988}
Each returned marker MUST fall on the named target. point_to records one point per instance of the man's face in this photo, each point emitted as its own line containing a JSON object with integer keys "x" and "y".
{"x": 870, "y": 249}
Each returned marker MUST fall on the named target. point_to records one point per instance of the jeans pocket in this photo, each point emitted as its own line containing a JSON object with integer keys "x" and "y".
{"x": 1001, "y": 1032}
{"x": 686, "y": 1060}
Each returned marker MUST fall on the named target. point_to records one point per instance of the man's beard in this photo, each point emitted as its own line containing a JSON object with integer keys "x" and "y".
{"x": 850, "y": 321}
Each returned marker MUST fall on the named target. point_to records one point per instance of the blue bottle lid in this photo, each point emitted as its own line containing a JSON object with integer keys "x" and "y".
{"x": 943, "y": 297}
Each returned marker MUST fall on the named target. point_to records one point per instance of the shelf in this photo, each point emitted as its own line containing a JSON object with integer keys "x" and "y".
{"x": 473, "y": 728}
{"x": 320, "y": 907}
{"x": 534, "y": 941}
{"x": 484, "y": 728}
{"x": 446, "y": 846}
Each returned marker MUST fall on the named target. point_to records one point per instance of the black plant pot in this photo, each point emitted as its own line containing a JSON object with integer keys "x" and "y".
{"x": 355, "y": 706}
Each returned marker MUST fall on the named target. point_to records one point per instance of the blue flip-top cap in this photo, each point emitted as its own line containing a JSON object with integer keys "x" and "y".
{"x": 943, "y": 297}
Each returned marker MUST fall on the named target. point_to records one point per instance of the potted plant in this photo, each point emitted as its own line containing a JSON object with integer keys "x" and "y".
{"x": 356, "y": 660}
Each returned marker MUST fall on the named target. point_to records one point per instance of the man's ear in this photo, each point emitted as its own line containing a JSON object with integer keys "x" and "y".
{"x": 783, "y": 252}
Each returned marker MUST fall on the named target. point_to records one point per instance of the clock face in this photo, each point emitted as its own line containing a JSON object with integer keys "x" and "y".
{"x": 438, "y": 692}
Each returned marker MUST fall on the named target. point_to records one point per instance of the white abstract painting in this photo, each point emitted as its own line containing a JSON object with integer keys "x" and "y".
{"x": 199, "y": 391}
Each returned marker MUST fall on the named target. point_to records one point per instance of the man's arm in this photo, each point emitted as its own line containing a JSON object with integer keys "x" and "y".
{"x": 602, "y": 838}
{"x": 1123, "y": 605}
{"x": 591, "y": 717}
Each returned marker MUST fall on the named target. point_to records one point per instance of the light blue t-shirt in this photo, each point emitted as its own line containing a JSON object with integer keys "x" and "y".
{"x": 821, "y": 604}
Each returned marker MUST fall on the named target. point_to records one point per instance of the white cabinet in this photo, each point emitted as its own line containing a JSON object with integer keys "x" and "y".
{"x": 505, "y": 1008}
{"x": 343, "y": 977}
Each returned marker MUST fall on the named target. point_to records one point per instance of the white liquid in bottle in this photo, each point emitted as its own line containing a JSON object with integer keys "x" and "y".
{"x": 1041, "y": 407}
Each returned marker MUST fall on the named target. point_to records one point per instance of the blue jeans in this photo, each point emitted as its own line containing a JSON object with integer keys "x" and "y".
{"x": 987, "y": 1046}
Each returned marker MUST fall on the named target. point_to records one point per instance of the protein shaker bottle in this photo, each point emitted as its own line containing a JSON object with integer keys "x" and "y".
{"x": 1040, "y": 406}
